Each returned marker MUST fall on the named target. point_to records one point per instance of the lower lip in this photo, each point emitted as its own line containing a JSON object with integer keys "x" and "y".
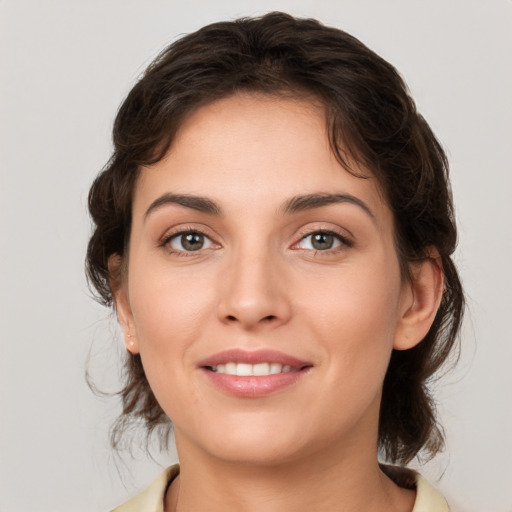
{"x": 253, "y": 386}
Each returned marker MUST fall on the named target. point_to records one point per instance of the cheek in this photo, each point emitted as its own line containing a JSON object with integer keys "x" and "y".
{"x": 363, "y": 295}
{"x": 169, "y": 313}
{"x": 356, "y": 314}
{"x": 169, "y": 310}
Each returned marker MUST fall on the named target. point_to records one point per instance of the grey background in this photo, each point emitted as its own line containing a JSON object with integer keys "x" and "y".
{"x": 64, "y": 68}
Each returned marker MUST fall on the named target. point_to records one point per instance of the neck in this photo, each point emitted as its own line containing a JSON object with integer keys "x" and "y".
{"x": 341, "y": 482}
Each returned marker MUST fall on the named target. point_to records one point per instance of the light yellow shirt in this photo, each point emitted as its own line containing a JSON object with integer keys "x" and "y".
{"x": 428, "y": 499}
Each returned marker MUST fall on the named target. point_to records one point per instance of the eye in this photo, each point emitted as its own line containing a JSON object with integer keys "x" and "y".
{"x": 189, "y": 241}
{"x": 322, "y": 241}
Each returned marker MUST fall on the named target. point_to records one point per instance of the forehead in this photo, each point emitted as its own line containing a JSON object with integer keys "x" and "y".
{"x": 254, "y": 150}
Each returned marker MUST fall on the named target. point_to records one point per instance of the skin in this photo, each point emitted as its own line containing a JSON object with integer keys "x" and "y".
{"x": 258, "y": 283}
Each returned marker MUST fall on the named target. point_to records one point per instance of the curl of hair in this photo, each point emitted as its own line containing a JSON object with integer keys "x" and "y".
{"x": 371, "y": 120}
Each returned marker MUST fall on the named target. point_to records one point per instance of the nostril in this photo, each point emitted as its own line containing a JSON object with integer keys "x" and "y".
{"x": 267, "y": 318}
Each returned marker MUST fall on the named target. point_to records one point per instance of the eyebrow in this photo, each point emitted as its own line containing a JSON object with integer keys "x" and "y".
{"x": 312, "y": 201}
{"x": 295, "y": 204}
{"x": 201, "y": 204}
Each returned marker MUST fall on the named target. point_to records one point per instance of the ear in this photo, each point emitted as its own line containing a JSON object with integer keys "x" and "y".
{"x": 420, "y": 301}
{"x": 122, "y": 303}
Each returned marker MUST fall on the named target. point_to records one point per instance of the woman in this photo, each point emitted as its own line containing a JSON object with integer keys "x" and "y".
{"x": 274, "y": 230}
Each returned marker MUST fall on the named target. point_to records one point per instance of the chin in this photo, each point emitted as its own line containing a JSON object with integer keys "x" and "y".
{"x": 258, "y": 445}
{"x": 259, "y": 454}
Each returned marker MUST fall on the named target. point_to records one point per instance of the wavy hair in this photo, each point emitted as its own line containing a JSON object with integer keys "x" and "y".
{"x": 368, "y": 110}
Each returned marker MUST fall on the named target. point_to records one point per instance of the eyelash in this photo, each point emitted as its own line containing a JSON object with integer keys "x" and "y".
{"x": 165, "y": 242}
{"x": 344, "y": 241}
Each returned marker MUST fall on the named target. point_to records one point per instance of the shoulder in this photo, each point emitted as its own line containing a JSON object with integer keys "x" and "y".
{"x": 428, "y": 498}
{"x": 152, "y": 499}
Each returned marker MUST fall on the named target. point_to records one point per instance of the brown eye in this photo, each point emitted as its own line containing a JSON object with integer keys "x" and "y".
{"x": 189, "y": 242}
{"x": 322, "y": 241}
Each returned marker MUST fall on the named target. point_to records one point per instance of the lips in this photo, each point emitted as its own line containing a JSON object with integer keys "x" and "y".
{"x": 251, "y": 374}
{"x": 253, "y": 357}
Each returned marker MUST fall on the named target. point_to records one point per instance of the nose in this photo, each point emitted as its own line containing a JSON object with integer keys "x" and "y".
{"x": 253, "y": 291}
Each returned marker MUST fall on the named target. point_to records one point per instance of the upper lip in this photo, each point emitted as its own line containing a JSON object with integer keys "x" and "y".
{"x": 253, "y": 357}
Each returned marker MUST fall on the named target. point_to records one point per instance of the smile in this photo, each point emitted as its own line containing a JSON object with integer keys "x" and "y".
{"x": 253, "y": 374}
{"x": 248, "y": 370}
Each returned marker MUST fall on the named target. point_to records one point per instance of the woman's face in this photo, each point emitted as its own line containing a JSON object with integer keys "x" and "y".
{"x": 263, "y": 288}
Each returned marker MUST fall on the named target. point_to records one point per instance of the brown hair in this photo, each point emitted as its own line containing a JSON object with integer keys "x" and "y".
{"x": 368, "y": 110}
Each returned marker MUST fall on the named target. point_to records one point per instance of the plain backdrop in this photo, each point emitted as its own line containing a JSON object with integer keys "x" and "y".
{"x": 65, "y": 66}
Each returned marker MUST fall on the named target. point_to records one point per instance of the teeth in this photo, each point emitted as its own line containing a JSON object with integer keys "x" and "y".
{"x": 275, "y": 368}
{"x": 261, "y": 369}
{"x": 248, "y": 370}
{"x": 244, "y": 370}
{"x": 230, "y": 369}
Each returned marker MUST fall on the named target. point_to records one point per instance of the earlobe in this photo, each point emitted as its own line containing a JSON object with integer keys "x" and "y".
{"x": 422, "y": 299}
{"x": 130, "y": 343}
{"x": 122, "y": 304}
